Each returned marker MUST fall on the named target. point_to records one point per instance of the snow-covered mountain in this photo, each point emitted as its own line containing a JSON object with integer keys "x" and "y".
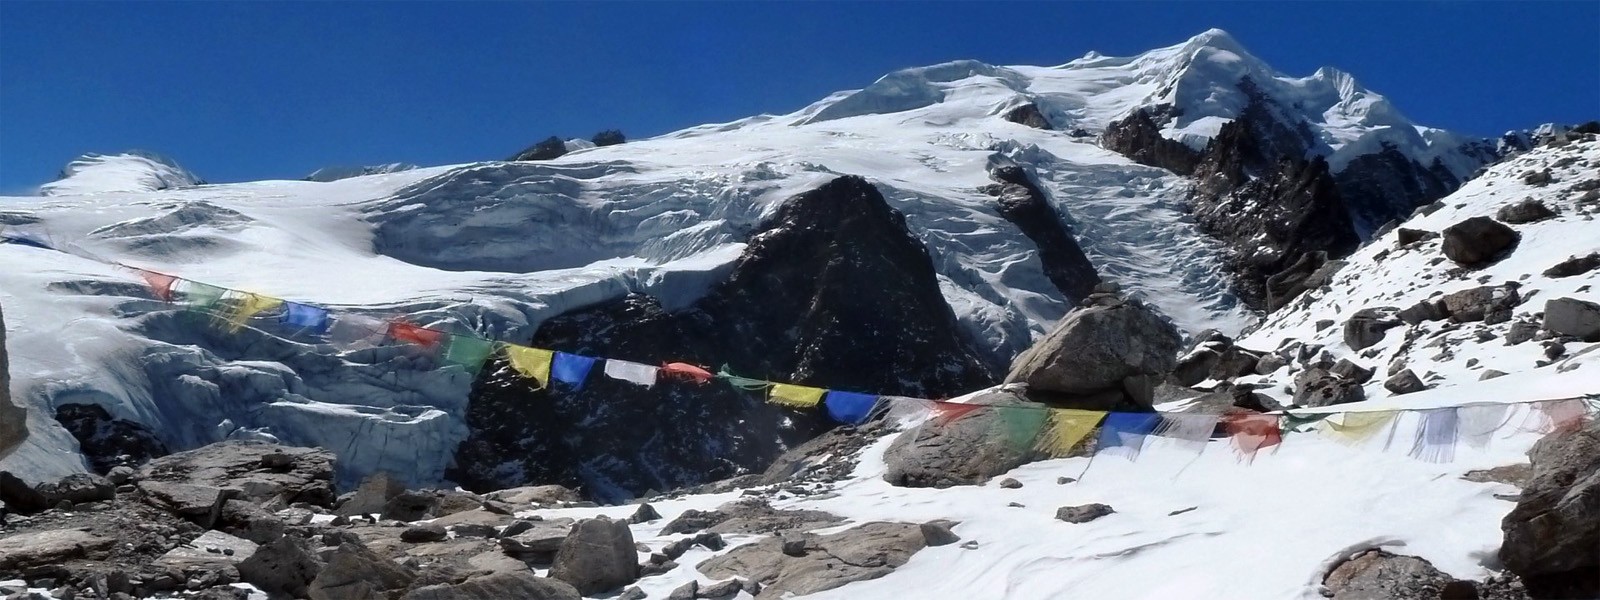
{"x": 999, "y": 174}
{"x": 132, "y": 171}
{"x": 327, "y": 174}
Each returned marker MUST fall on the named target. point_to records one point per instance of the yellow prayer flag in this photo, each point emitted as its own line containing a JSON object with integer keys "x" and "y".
{"x": 795, "y": 396}
{"x": 1357, "y": 427}
{"x": 1067, "y": 427}
{"x": 248, "y": 306}
{"x": 533, "y": 363}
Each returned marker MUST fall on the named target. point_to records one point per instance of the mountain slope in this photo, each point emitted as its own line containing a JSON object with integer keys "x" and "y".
{"x": 135, "y": 171}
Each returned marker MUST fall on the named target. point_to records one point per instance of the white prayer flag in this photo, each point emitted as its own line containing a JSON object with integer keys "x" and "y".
{"x": 631, "y": 372}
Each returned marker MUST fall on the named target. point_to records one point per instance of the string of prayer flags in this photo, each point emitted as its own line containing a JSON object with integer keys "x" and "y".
{"x": 1436, "y": 436}
{"x": 687, "y": 372}
{"x": 468, "y": 351}
{"x": 352, "y": 331}
{"x": 849, "y": 407}
{"x": 901, "y": 408}
{"x": 1065, "y": 429}
{"x": 248, "y": 306}
{"x": 200, "y": 296}
{"x": 794, "y": 396}
{"x": 1357, "y": 427}
{"x": 160, "y": 284}
{"x": 631, "y": 372}
{"x": 1124, "y": 433}
{"x": 404, "y": 331}
{"x": 571, "y": 369}
{"x": 533, "y": 363}
{"x": 304, "y": 316}
{"x": 743, "y": 383}
{"x": 1251, "y": 432}
{"x": 1191, "y": 430}
{"x": 1477, "y": 423}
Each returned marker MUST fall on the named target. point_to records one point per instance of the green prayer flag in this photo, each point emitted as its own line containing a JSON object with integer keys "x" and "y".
{"x": 1294, "y": 422}
{"x": 1018, "y": 428}
{"x": 468, "y": 351}
{"x": 743, "y": 383}
{"x": 202, "y": 297}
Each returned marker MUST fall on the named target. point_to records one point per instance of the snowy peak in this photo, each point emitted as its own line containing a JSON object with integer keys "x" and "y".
{"x": 327, "y": 174}
{"x": 132, "y": 171}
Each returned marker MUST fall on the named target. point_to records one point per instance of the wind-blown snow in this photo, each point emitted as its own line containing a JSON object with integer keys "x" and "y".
{"x": 135, "y": 171}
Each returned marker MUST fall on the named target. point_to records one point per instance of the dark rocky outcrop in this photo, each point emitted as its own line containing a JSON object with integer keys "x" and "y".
{"x": 1311, "y": 271}
{"x": 1528, "y": 210}
{"x": 255, "y": 471}
{"x": 109, "y": 442}
{"x": 1387, "y": 186}
{"x": 1025, "y": 205}
{"x": 1379, "y": 575}
{"x": 1552, "y": 536}
{"x": 1367, "y": 327}
{"x": 1107, "y": 355}
{"x": 1478, "y": 240}
{"x": 1574, "y": 317}
{"x": 864, "y": 552}
{"x": 791, "y": 310}
{"x": 1576, "y": 265}
{"x": 1139, "y": 137}
{"x": 550, "y": 147}
{"x": 1027, "y": 114}
{"x": 13, "y": 418}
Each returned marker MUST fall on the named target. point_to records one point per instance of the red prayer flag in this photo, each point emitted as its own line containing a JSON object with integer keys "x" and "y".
{"x": 946, "y": 412}
{"x": 687, "y": 372}
{"x": 160, "y": 284}
{"x": 1252, "y": 431}
{"x": 402, "y": 331}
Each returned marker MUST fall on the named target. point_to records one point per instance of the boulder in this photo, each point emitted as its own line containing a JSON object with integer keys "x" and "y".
{"x": 411, "y": 506}
{"x": 372, "y": 495}
{"x": 1490, "y": 304}
{"x": 1552, "y": 535}
{"x": 498, "y": 586}
{"x": 536, "y": 494}
{"x": 1574, "y": 317}
{"x": 1352, "y": 371}
{"x": 1094, "y": 350}
{"x": 964, "y": 451}
{"x": 260, "y": 472}
{"x": 598, "y": 556}
{"x": 1521, "y": 331}
{"x": 212, "y": 551}
{"x": 1526, "y": 211}
{"x": 355, "y": 573}
{"x": 13, "y": 418}
{"x": 1084, "y": 513}
{"x": 747, "y": 516}
{"x": 1406, "y": 237}
{"x": 864, "y": 552}
{"x": 1379, "y": 575}
{"x": 1367, "y": 327}
{"x": 937, "y": 533}
{"x": 249, "y": 521}
{"x": 644, "y": 514}
{"x": 1270, "y": 363}
{"x": 687, "y": 591}
{"x": 21, "y": 551}
{"x": 199, "y": 504}
{"x": 1319, "y": 387}
{"x": 1195, "y": 367}
{"x": 720, "y": 589}
{"x": 1424, "y": 310}
{"x": 283, "y": 567}
{"x": 1404, "y": 382}
{"x": 1478, "y": 240}
{"x": 452, "y": 502}
{"x": 535, "y": 539}
{"x": 1027, "y": 114}
{"x": 1576, "y": 265}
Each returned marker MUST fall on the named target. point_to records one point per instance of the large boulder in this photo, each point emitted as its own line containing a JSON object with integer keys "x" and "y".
{"x": 942, "y": 452}
{"x": 1552, "y": 536}
{"x": 1319, "y": 387}
{"x": 522, "y": 585}
{"x": 864, "y": 552}
{"x": 1574, "y": 317}
{"x": 1367, "y": 327}
{"x": 1526, "y": 211}
{"x": 1490, "y": 304}
{"x": 17, "y": 495}
{"x": 750, "y": 515}
{"x": 284, "y": 567}
{"x": 1404, "y": 382}
{"x": 1099, "y": 349}
{"x": 200, "y": 504}
{"x": 1379, "y": 575}
{"x": 13, "y": 418}
{"x": 535, "y": 494}
{"x": 258, "y": 472}
{"x": 1478, "y": 240}
{"x": 598, "y": 556}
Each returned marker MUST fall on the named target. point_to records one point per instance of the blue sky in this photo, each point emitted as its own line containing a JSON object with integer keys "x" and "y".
{"x": 263, "y": 90}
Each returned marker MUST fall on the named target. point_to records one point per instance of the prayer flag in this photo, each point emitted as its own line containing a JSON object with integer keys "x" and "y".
{"x": 1191, "y": 430}
{"x": 1357, "y": 427}
{"x": 468, "y": 351}
{"x": 1562, "y": 416}
{"x": 687, "y": 372}
{"x": 794, "y": 396}
{"x": 1125, "y": 432}
{"x": 1066, "y": 428}
{"x": 849, "y": 407}
{"x": 307, "y": 317}
{"x": 405, "y": 331}
{"x": 743, "y": 383}
{"x": 1436, "y": 436}
{"x": 533, "y": 363}
{"x": 945, "y": 413}
{"x": 352, "y": 331}
{"x": 1477, "y": 423}
{"x": 901, "y": 408}
{"x": 249, "y": 306}
{"x": 200, "y": 296}
{"x": 631, "y": 372}
{"x": 1252, "y": 431}
{"x": 1019, "y": 427}
{"x": 571, "y": 369}
{"x": 160, "y": 284}
{"x": 1302, "y": 422}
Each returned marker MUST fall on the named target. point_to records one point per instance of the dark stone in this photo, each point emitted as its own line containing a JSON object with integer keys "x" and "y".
{"x": 609, "y": 137}
{"x": 1317, "y": 387}
{"x": 937, "y": 533}
{"x": 1528, "y": 210}
{"x": 1552, "y": 536}
{"x": 1084, "y": 513}
{"x": 1491, "y": 374}
{"x": 1574, "y": 317}
{"x": 355, "y": 573}
{"x": 423, "y": 533}
{"x": 1379, "y": 575}
{"x": 411, "y": 506}
{"x": 597, "y": 557}
{"x": 18, "y": 496}
{"x": 1010, "y": 484}
{"x": 1349, "y": 370}
{"x": 1423, "y": 310}
{"x": 1311, "y": 271}
{"x": 1492, "y": 304}
{"x": 1576, "y": 265}
{"x": 108, "y": 442}
{"x": 645, "y": 514}
{"x": 1478, "y": 240}
{"x": 721, "y": 589}
{"x": 1404, "y": 382}
{"x": 1026, "y": 206}
{"x": 1367, "y": 327}
{"x": 1027, "y": 114}
{"x": 1406, "y": 237}
{"x": 285, "y": 566}
{"x": 1195, "y": 367}
{"x": 1521, "y": 331}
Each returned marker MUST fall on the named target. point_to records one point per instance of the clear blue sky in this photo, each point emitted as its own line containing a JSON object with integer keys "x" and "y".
{"x": 255, "y": 90}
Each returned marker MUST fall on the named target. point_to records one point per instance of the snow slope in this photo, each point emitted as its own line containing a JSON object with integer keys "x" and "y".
{"x": 498, "y": 247}
{"x": 135, "y": 171}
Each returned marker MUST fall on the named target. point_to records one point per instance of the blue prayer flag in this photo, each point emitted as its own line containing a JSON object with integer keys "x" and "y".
{"x": 306, "y": 317}
{"x": 571, "y": 369}
{"x": 1127, "y": 431}
{"x": 849, "y": 407}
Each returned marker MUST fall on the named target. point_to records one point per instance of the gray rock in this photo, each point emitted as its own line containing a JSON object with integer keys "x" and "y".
{"x": 721, "y": 589}
{"x": 598, "y": 556}
{"x": 1379, "y": 575}
{"x": 1404, "y": 382}
{"x": 1574, "y": 317}
{"x": 1478, "y": 240}
{"x": 867, "y": 551}
{"x": 1270, "y": 363}
{"x": 249, "y": 521}
{"x": 424, "y": 533}
{"x": 536, "y": 538}
{"x": 536, "y": 494}
{"x": 1405, "y": 237}
{"x": 747, "y": 515}
{"x": 355, "y": 573}
{"x": 644, "y": 514}
{"x": 1084, "y": 513}
{"x": 1492, "y": 304}
{"x": 22, "y": 551}
{"x": 120, "y": 475}
{"x": 411, "y": 506}
{"x": 1349, "y": 370}
{"x": 1010, "y": 484}
{"x": 1195, "y": 367}
{"x": 1367, "y": 327}
{"x": 1319, "y": 387}
{"x": 633, "y": 593}
{"x": 1491, "y": 374}
{"x": 237, "y": 465}
{"x": 687, "y": 591}
{"x": 1093, "y": 350}
{"x": 199, "y": 504}
{"x": 938, "y": 533}
{"x": 1552, "y": 536}
{"x": 1576, "y": 265}
{"x": 13, "y": 418}
{"x": 1521, "y": 331}
{"x": 212, "y": 551}
{"x": 284, "y": 567}
{"x": 498, "y": 586}
{"x": 794, "y": 545}
{"x": 372, "y": 495}
{"x": 1424, "y": 310}
{"x": 1528, "y": 210}
{"x": 451, "y": 502}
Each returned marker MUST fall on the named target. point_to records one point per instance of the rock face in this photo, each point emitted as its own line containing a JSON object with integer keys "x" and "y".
{"x": 1552, "y": 536}
{"x": 1027, "y": 114}
{"x": 864, "y": 552}
{"x": 597, "y": 557}
{"x": 1025, "y": 205}
{"x": 1139, "y": 137}
{"x": 1574, "y": 317}
{"x": 790, "y": 310}
{"x": 1311, "y": 271}
{"x": 1105, "y": 356}
{"x": 1379, "y": 575}
{"x": 256, "y": 471}
{"x": 1478, "y": 240}
{"x": 13, "y": 418}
